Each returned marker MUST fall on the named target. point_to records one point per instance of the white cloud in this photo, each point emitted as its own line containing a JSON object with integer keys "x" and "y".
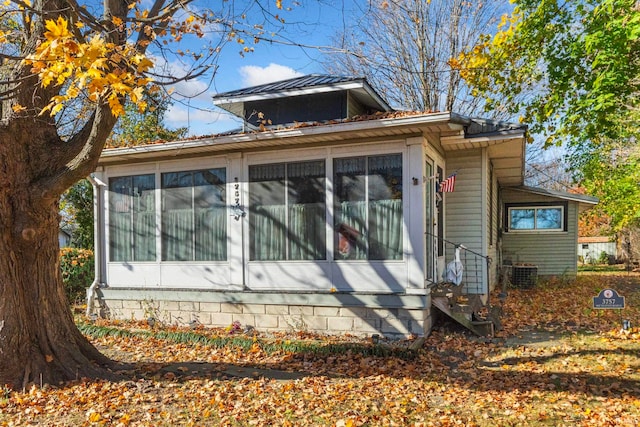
{"x": 200, "y": 121}
{"x": 180, "y": 115}
{"x": 253, "y": 75}
{"x": 194, "y": 89}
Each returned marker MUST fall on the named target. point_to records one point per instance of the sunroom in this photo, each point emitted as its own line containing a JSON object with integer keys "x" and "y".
{"x": 334, "y": 225}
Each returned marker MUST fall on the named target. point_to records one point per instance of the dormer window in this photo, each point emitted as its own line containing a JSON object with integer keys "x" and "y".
{"x": 308, "y": 99}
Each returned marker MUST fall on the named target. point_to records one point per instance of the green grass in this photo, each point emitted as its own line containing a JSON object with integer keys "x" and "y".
{"x": 602, "y": 268}
{"x": 244, "y": 342}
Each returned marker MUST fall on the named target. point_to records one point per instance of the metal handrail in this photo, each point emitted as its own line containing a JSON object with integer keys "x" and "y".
{"x": 467, "y": 263}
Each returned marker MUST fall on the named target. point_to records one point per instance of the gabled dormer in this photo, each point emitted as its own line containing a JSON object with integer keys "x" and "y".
{"x": 311, "y": 98}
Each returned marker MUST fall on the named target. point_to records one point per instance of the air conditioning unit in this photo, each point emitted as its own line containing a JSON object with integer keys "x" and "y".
{"x": 524, "y": 275}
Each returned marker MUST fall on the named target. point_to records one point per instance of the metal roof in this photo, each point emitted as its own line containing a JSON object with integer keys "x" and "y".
{"x": 478, "y": 126}
{"x": 233, "y": 101}
{"x": 305, "y": 82}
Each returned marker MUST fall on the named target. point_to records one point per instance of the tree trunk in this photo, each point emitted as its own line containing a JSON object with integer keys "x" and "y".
{"x": 39, "y": 341}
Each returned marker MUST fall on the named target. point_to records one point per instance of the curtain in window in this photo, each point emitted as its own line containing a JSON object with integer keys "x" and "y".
{"x": 384, "y": 164}
{"x": 144, "y": 236}
{"x": 208, "y": 238}
{"x": 177, "y": 235}
{"x": 368, "y": 210}
{"x": 268, "y": 231}
{"x": 132, "y": 219}
{"x": 350, "y": 166}
{"x": 120, "y": 236}
{"x": 306, "y": 169}
{"x": 385, "y": 229}
{"x": 287, "y": 217}
{"x": 307, "y": 231}
{"x": 194, "y": 216}
{"x": 211, "y": 234}
{"x": 143, "y": 231}
{"x": 351, "y": 230}
{"x": 385, "y": 207}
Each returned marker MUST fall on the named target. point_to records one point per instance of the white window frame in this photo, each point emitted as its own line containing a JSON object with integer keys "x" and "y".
{"x": 161, "y": 193}
{"x": 368, "y": 175}
{"x": 157, "y": 169}
{"x": 535, "y": 208}
{"x": 286, "y": 202}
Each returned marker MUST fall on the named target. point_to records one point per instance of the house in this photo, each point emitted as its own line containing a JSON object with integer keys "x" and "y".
{"x": 322, "y": 214}
{"x": 592, "y": 248}
{"x": 64, "y": 237}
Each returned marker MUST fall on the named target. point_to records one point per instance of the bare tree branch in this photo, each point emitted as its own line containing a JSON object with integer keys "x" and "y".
{"x": 403, "y": 47}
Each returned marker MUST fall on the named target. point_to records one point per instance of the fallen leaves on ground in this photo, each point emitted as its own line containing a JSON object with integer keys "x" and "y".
{"x": 557, "y": 362}
{"x": 567, "y": 305}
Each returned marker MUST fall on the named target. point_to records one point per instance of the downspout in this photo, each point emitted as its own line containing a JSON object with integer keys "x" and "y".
{"x": 98, "y": 239}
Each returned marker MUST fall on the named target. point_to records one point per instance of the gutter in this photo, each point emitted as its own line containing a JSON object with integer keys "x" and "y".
{"x": 99, "y": 241}
{"x": 327, "y": 133}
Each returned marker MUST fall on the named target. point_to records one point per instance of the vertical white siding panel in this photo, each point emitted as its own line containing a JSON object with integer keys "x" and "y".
{"x": 414, "y": 211}
{"x": 492, "y": 227}
{"x": 465, "y": 214}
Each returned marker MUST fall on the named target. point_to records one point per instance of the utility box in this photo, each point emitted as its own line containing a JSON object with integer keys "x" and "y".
{"x": 524, "y": 275}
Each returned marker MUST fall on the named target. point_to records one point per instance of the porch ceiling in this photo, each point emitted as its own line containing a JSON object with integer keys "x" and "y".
{"x": 505, "y": 149}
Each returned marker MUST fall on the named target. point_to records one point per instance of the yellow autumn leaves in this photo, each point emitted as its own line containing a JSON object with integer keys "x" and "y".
{"x": 99, "y": 69}
{"x": 470, "y": 63}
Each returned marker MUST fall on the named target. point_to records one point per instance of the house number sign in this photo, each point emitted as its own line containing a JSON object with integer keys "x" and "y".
{"x": 238, "y": 211}
{"x": 607, "y": 299}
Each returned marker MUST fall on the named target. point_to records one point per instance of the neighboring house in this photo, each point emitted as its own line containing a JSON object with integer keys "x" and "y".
{"x": 323, "y": 214}
{"x": 64, "y": 238}
{"x": 590, "y": 249}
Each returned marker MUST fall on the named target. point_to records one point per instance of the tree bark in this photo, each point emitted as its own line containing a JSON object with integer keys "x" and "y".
{"x": 39, "y": 341}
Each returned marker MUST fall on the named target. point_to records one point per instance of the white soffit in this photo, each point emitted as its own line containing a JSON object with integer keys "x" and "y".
{"x": 460, "y": 142}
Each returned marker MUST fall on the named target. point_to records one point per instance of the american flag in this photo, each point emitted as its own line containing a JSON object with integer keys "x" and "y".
{"x": 448, "y": 184}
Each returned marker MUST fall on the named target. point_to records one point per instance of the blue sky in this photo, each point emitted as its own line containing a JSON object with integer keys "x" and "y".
{"x": 312, "y": 23}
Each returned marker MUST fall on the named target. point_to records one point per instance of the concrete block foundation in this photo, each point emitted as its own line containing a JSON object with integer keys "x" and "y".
{"x": 389, "y": 315}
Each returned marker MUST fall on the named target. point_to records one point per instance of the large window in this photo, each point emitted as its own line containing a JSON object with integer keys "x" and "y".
{"x": 132, "y": 218}
{"x": 287, "y": 213}
{"x": 368, "y": 207}
{"x": 194, "y": 216}
{"x": 536, "y": 218}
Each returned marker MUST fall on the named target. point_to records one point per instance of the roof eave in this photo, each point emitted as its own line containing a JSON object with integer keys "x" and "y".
{"x": 311, "y": 90}
{"x": 301, "y": 135}
{"x": 588, "y": 201}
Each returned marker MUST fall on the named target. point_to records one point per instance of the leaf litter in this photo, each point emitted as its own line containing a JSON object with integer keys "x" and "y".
{"x": 556, "y": 362}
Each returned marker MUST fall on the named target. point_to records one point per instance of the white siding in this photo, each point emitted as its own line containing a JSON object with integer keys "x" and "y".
{"x": 354, "y": 108}
{"x": 591, "y": 251}
{"x": 492, "y": 227}
{"x": 465, "y": 215}
{"x": 555, "y": 253}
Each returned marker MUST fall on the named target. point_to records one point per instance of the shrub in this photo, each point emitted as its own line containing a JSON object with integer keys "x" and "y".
{"x": 77, "y": 270}
{"x": 604, "y": 258}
